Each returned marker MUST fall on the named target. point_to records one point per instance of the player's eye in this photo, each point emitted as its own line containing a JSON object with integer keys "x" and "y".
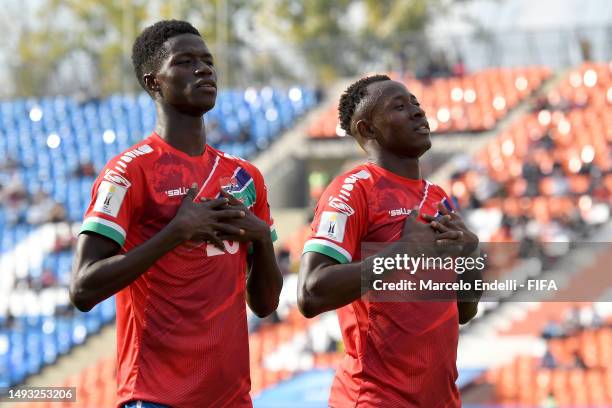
{"x": 183, "y": 61}
{"x": 399, "y": 107}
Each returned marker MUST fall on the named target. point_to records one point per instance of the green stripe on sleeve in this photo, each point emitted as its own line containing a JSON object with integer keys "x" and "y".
{"x": 325, "y": 250}
{"x": 104, "y": 230}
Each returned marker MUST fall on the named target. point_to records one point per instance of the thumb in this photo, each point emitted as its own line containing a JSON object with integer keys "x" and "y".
{"x": 191, "y": 193}
{"x": 414, "y": 214}
{"x": 411, "y": 218}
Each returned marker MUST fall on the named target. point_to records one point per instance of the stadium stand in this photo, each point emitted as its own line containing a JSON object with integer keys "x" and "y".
{"x": 551, "y": 167}
{"x": 575, "y": 370}
{"x": 470, "y": 103}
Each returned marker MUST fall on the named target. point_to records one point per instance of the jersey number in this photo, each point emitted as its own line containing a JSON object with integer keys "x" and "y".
{"x": 231, "y": 247}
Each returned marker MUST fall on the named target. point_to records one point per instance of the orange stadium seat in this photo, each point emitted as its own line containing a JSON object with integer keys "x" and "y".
{"x": 473, "y": 102}
{"x": 523, "y": 382}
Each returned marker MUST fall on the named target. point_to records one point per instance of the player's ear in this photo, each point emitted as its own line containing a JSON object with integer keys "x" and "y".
{"x": 151, "y": 83}
{"x": 365, "y": 129}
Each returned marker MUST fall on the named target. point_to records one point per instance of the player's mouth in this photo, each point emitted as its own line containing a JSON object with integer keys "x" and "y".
{"x": 423, "y": 129}
{"x": 207, "y": 85}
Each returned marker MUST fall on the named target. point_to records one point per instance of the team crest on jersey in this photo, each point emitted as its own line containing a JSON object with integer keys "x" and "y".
{"x": 230, "y": 184}
{"x": 109, "y": 199}
{"x": 241, "y": 186}
{"x": 332, "y": 225}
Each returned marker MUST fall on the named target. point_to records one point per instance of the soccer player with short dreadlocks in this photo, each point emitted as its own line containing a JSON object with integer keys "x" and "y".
{"x": 398, "y": 354}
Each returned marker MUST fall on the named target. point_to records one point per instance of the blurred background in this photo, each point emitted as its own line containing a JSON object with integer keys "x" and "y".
{"x": 518, "y": 95}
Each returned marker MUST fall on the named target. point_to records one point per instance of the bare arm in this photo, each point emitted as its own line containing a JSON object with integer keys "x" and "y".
{"x": 264, "y": 280}
{"x": 99, "y": 270}
{"x": 467, "y": 301}
{"x": 324, "y": 284}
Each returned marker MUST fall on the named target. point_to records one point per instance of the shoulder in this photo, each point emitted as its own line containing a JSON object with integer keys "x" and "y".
{"x": 439, "y": 194}
{"x": 347, "y": 193}
{"x": 128, "y": 162}
{"x": 436, "y": 190}
{"x": 357, "y": 178}
{"x": 235, "y": 161}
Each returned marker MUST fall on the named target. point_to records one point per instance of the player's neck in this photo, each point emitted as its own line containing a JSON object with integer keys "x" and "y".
{"x": 183, "y": 132}
{"x": 406, "y": 167}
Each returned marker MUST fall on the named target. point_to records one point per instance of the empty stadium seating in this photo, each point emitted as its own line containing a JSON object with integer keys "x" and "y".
{"x": 551, "y": 162}
{"x": 525, "y": 382}
{"x": 33, "y": 341}
{"x": 470, "y": 103}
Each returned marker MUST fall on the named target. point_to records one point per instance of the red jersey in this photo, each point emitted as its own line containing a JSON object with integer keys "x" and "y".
{"x": 182, "y": 336}
{"x": 398, "y": 354}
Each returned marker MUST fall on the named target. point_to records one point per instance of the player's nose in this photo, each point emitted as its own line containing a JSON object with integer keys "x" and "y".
{"x": 203, "y": 68}
{"x": 417, "y": 113}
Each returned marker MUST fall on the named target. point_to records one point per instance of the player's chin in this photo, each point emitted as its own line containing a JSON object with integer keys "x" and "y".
{"x": 420, "y": 145}
{"x": 422, "y": 148}
{"x": 204, "y": 102}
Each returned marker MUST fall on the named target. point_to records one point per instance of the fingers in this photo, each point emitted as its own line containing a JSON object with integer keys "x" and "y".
{"x": 445, "y": 219}
{"x": 230, "y": 197}
{"x": 456, "y": 218}
{"x": 412, "y": 217}
{"x": 451, "y": 244}
{"x": 428, "y": 218}
{"x": 226, "y": 229}
{"x": 452, "y": 215}
{"x": 191, "y": 193}
{"x": 216, "y": 240}
{"x": 228, "y": 214}
{"x": 439, "y": 227}
{"x": 233, "y": 237}
{"x": 454, "y": 235}
{"x": 214, "y": 203}
{"x": 442, "y": 209}
{"x": 450, "y": 239}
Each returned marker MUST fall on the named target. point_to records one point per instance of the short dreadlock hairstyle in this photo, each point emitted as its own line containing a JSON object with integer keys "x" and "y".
{"x": 147, "y": 52}
{"x": 351, "y": 98}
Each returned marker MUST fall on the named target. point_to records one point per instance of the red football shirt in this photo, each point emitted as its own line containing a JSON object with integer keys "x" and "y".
{"x": 398, "y": 354}
{"x": 182, "y": 335}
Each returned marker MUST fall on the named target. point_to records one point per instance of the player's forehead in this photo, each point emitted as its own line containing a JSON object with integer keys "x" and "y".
{"x": 186, "y": 44}
{"x": 386, "y": 91}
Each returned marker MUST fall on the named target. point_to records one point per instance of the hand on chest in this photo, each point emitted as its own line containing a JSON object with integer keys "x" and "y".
{"x": 389, "y": 210}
